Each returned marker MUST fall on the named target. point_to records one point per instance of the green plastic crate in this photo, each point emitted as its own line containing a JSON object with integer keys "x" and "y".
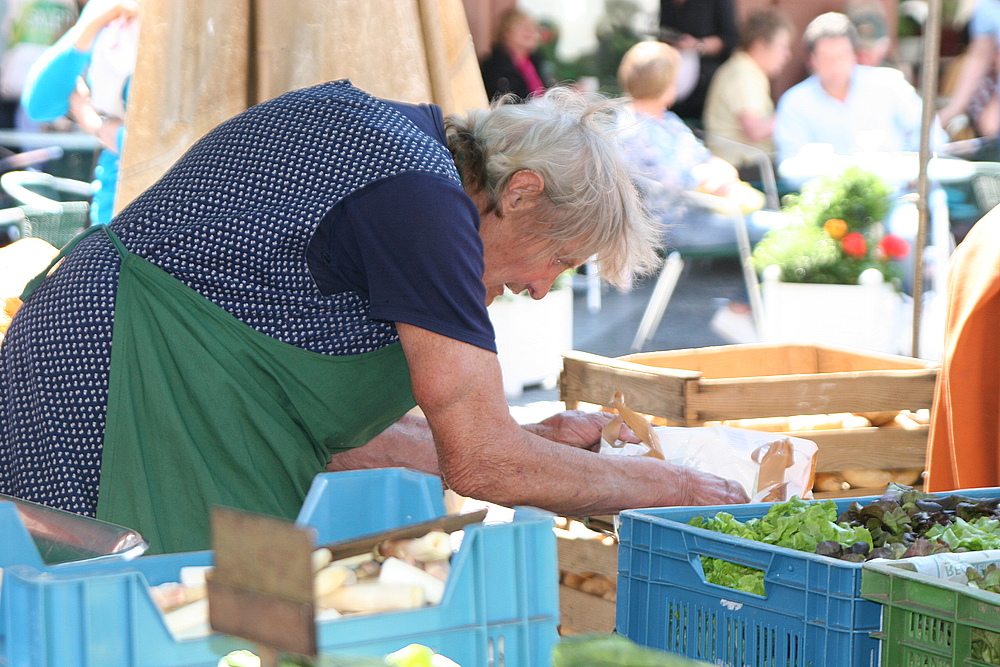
{"x": 930, "y": 622}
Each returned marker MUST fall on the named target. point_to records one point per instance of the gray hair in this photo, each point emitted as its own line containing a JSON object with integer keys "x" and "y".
{"x": 830, "y": 25}
{"x": 569, "y": 139}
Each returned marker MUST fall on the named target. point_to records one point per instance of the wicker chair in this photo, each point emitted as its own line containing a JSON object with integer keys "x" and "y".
{"x": 55, "y": 209}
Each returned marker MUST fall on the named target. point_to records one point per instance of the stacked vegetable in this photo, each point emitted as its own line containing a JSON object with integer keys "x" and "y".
{"x": 903, "y": 522}
{"x": 985, "y": 644}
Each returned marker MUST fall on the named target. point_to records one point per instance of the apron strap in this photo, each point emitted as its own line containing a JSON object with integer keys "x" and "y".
{"x": 66, "y": 249}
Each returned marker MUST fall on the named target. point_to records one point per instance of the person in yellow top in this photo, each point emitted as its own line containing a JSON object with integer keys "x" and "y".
{"x": 739, "y": 105}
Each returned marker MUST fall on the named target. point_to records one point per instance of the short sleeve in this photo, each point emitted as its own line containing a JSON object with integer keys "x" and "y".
{"x": 745, "y": 93}
{"x": 986, "y": 20}
{"x": 411, "y": 245}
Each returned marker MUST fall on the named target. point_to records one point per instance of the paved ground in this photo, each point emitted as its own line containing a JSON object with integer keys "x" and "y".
{"x": 701, "y": 290}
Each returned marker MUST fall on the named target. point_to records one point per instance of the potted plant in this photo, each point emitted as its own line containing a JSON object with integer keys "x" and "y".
{"x": 532, "y": 334}
{"x": 832, "y": 274}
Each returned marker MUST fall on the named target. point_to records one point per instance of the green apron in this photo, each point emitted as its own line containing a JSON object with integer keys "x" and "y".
{"x": 203, "y": 410}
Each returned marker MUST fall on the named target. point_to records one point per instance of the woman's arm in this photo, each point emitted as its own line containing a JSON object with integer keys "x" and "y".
{"x": 978, "y": 59}
{"x": 409, "y": 443}
{"x": 755, "y": 127}
{"x": 52, "y": 80}
{"x": 483, "y": 453}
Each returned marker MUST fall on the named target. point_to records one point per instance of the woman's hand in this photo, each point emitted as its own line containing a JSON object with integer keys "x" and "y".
{"x": 703, "y": 488}
{"x": 91, "y": 23}
{"x": 578, "y": 429}
{"x": 715, "y": 176}
{"x": 82, "y": 111}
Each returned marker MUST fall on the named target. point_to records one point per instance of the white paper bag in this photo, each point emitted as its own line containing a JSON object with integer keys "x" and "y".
{"x": 769, "y": 466}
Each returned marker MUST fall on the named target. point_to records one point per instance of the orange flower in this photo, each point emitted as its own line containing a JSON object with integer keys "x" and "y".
{"x": 836, "y": 228}
{"x": 854, "y": 245}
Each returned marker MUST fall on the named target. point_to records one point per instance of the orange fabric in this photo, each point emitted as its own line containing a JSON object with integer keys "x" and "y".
{"x": 964, "y": 445}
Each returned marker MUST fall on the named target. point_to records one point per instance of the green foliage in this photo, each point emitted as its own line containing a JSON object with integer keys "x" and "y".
{"x": 858, "y": 197}
{"x": 832, "y": 211}
{"x": 616, "y": 33}
{"x": 902, "y": 523}
{"x": 613, "y": 651}
{"x": 733, "y": 575}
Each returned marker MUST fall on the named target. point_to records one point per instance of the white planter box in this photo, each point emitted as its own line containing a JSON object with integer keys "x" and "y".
{"x": 531, "y": 337}
{"x": 867, "y": 316}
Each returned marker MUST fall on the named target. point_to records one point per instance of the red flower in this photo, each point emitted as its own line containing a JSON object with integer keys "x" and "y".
{"x": 894, "y": 247}
{"x": 854, "y": 245}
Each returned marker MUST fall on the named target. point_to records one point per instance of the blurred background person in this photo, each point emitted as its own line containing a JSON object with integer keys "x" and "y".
{"x": 28, "y": 28}
{"x": 671, "y": 161}
{"x": 979, "y": 63}
{"x": 515, "y": 64}
{"x": 86, "y": 76}
{"x": 739, "y": 106}
{"x": 705, "y": 33}
{"x": 870, "y": 22}
{"x": 845, "y": 106}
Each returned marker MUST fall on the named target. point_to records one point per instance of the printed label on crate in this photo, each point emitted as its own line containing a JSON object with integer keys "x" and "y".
{"x": 950, "y": 566}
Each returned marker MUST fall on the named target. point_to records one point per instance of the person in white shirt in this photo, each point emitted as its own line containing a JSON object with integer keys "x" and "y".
{"x": 850, "y": 108}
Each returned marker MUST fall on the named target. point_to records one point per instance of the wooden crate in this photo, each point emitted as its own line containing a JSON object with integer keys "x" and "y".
{"x": 581, "y": 612}
{"x": 691, "y": 387}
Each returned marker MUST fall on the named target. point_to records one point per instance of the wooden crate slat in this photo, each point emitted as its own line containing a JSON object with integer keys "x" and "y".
{"x": 742, "y": 398}
{"x": 594, "y": 379}
{"x": 732, "y": 361}
{"x": 765, "y": 359}
{"x": 582, "y": 555}
{"x": 582, "y": 612}
{"x": 868, "y": 448}
{"x": 839, "y": 360}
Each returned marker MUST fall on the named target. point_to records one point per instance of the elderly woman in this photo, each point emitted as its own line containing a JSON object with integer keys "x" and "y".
{"x": 308, "y": 272}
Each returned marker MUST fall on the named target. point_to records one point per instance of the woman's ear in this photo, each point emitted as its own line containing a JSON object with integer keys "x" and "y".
{"x": 524, "y": 187}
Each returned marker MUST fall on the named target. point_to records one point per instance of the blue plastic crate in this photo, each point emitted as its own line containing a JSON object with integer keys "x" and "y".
{"x": 812, "y": 612}
{"x": 500, "y": 605}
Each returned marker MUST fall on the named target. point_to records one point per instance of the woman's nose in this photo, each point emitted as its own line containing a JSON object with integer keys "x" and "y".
{"x": 540, "y": 288}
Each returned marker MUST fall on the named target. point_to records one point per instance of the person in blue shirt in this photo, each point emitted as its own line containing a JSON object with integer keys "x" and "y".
{"x": 99, "y": 52}
{"x": 849, "y": 107}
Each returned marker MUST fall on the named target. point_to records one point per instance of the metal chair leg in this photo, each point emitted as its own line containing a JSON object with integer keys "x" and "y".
{"x": 664, "y": 289}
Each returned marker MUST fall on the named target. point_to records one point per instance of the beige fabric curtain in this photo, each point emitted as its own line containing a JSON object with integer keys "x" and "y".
{"x": 203, "y": 61}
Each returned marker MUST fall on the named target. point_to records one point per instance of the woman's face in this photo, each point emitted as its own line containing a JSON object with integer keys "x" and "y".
{"x": 776, "y": 53}
{"x": 520, "y": 262}
{"x": 523, "y": 37}
{"x": 514, "y": 256}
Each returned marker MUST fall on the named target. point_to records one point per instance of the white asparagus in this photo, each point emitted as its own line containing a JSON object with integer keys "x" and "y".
{"x": 395, "y": 571}
{"x": 375, "y": 597}
{"x": 194, "y": 575}
{"x": 438, "y": 568}
{"x": 354, "y": 561}
{"x": 368, "y": 570}
{"x": 321, "y": 558}
{"x": 189, "y": 621}
{"x": 432, "y": 546}
{"x": 172, "y": 594}
{"x": 330, "y": 579}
